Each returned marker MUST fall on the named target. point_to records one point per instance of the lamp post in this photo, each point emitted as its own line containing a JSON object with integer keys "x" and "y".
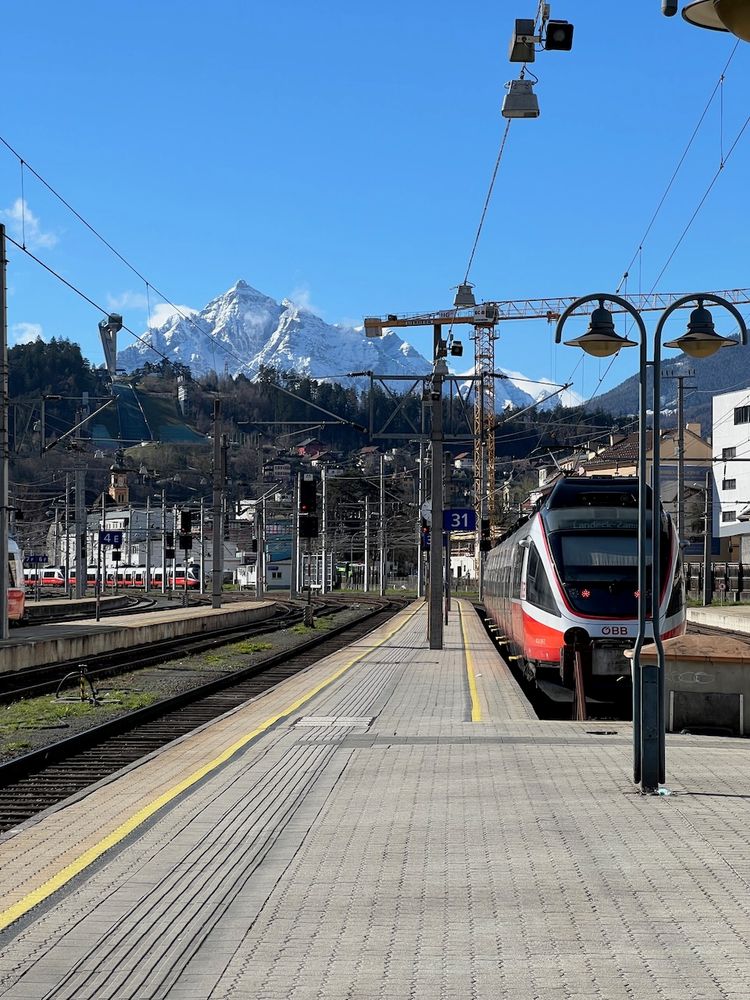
{"x": 700, "y": 341}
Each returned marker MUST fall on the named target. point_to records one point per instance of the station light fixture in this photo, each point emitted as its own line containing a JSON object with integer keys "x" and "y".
{"x": 600, "y": 340}
{"x": 701, "y": 339}
{"x": 520, "y": 101}
{"x": 522, "y": 41}
{"x": 464, "y": 297}
{"x": 558, "y": 36}
{"x": 716, "y": 15}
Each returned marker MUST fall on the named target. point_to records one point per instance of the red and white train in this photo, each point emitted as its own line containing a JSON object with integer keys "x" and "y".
{"x": 566, "y": 581}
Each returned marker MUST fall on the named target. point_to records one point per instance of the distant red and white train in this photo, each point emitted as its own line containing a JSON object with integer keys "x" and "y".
{"x": 566, "y": 580}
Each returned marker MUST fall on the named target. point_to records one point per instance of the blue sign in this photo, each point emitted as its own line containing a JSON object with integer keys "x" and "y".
{"x": 111, "y": 538}
{"x": 35, "y": 560}
{"x": 460, "y": 519}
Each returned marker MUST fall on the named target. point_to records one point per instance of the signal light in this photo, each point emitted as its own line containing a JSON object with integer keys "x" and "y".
{"x": 169, "y": 539}
{"x": 485, "y": 527}
{"x": 559, "y": 36}
{"x": 186, "y": 522}
{"x": 308, "y": 527}
{"x": 308, "y": 498}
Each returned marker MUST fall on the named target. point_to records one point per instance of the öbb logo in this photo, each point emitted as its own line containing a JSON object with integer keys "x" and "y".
{"x": 615, "y": 630}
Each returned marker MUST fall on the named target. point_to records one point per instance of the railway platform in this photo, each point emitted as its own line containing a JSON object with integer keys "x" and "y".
{"x": 732, "y": 617}
{"x": 393, "y": 822}
{"x": 56, "y": 642}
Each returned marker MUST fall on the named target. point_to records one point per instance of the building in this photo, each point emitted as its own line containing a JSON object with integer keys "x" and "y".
{"x": 731, "y": 447}
{"x": 142, "y": 531}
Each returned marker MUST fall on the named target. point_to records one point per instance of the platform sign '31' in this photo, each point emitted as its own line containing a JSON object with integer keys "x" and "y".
{"x": 459, "y": 519}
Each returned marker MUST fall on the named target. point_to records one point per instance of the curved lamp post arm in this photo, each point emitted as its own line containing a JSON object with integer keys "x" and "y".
{"x": 700, "y": 298}
{"x": 601, "y": 297}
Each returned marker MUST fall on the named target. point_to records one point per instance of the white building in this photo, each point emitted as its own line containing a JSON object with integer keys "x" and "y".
{"x": 731, "y": 447}
{"x": 140, "y": 530}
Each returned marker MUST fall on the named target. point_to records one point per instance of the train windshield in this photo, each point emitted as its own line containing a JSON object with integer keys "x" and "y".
{"x": 596, "y": 556}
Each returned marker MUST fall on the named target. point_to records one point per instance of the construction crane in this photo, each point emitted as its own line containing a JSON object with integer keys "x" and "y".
{"x": 484, "y": 317}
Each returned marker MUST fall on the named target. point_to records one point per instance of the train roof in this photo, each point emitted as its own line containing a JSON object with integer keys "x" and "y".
{"x": 594, "y": 491}
{"x": 583, "y": 491}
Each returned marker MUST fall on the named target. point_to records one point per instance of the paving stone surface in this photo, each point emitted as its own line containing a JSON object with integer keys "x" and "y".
{"x": 376, "y": 843}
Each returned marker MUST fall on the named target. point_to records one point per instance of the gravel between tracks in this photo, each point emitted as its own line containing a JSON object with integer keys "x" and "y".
{"x": 44, "y": 722}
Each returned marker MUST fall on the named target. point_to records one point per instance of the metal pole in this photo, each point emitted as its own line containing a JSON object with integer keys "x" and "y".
{"x": 482, "y": 517}
{"x": 42, "y": 431}
{"x": 381, "y": 528}
{"x": 653, "y": 677}
{"x": 680, "y": 459}
{"x": 309, "y": 621}
{"x": 435, "y": 606}
{"x": 260, "y": 534}
{"x": 218, "y": 534}
{"x": 323, "y": 532}
{"x": 420, "y": 502}
{"x": 4, "y": 457}
{"x": 367, "y": 546}
{"x": 294, "y": 568}
{"x": 448, "y": 499}
{"x": 67, "y": 535}
{"x": 98, "y": 584}
{"x": 163, "y": 541}
{"x": 147, "y": 581}
{"x": 202, "y": 584}
{"x": 708, "y": 530}
{"x": 173, "y": 567}
{"x": 80, "y": 523}
{"x": 56, "y": 553}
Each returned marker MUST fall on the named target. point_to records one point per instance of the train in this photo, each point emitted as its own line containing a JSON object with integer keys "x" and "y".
{"x": 124, "y": 576}
{"x": 562, "y": 587}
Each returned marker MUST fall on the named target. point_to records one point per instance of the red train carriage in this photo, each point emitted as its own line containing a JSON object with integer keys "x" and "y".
{"x": 566, "y": 580}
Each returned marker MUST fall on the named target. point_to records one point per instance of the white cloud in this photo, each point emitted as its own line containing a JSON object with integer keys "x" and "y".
{"x": 26, "y": 333}
{"x": 26, "y": 226}
{"x": 127, "y": 300}
{"x": 161, "y": 312}
{"x": 301, "y": 297}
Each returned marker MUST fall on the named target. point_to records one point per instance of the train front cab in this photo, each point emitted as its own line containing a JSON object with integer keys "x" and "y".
{"x": 567, "y": 584}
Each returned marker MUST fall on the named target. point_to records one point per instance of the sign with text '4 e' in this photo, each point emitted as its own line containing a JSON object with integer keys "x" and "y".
{"x": 459, "y": 519}
{"x": 111, "y": 538}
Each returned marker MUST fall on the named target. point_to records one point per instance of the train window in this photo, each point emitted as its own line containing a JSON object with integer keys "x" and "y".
{"x": 517, "y": 568}
{"x": 538, "y": 590}
{"x": 677, "y": 597}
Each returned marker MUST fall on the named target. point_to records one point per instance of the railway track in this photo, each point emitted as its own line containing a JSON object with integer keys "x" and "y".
{"x": 39, "y": 780}
{"x": 33, "y": 681}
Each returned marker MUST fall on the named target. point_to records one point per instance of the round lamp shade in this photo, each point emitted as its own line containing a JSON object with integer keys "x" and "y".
{"x": 720, "y": 15}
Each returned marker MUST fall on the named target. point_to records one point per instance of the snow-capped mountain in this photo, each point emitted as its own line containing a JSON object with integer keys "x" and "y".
{"x": 243, "y": 329}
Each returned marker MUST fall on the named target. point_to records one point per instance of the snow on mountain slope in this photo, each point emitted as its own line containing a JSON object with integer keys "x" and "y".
{"x": 243, "y": 329}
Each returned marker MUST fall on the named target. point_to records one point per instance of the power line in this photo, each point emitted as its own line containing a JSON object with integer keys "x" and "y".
{"x": 148, "y": 284}
{"x": 672, "y": 179}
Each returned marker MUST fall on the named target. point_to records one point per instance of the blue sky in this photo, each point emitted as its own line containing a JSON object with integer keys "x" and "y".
{"x": 340, "y": 154}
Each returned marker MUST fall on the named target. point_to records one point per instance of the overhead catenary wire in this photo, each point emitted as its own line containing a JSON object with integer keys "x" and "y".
{"x": 638, "y": 254}
{"x": 149, "y": 284}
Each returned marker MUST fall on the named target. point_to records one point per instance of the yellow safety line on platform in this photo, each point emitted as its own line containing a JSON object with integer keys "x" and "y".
{"x": 57, "y": 881}
{"x": 476, "y": 708}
